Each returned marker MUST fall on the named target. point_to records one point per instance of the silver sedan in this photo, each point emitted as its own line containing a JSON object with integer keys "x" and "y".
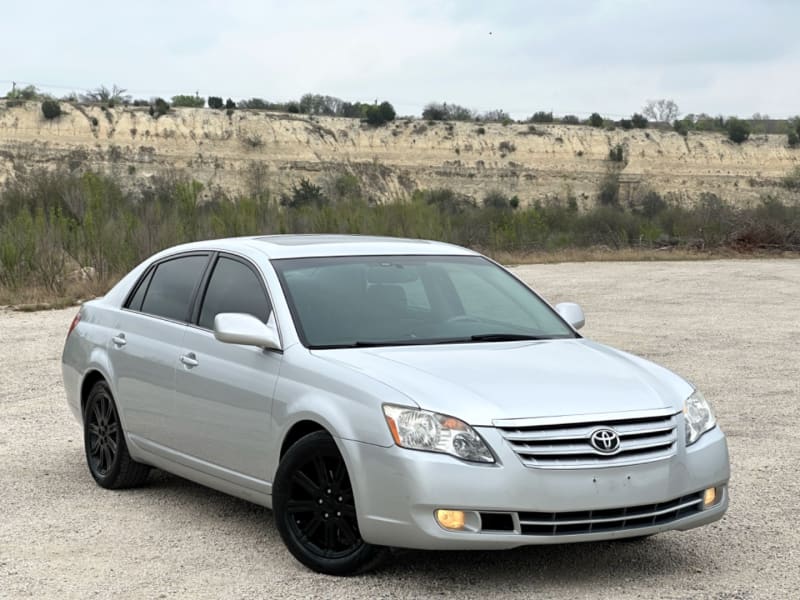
{"x": 379, "y": 392}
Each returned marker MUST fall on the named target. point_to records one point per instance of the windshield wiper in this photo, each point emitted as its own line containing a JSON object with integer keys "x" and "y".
{"x": 507, "y": 337}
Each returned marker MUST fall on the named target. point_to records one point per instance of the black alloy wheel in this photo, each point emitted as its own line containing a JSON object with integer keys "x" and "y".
{"x": 315, "y": 510}
{"x": 107, "y": 454}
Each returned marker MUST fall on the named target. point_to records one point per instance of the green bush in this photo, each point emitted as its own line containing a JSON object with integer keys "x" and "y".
{"x": 681, "y": 127}
{"x": 435, "y": 111}
{"x": 159, "y": 108}
{"x": 570, "y": 120}
{"x": 793, "y": 139}
{"x": 626, "y": 124}
{"x": 215, "y": 102}
{"x": 541, "y": 117}
{"x": 595, "y": 120}
{"x": 230, "y": 104}
{"x": 380, "y": 114}
{"x": 738, "y": 130}
{"x": 506, "y": 147}
{"x": 639, "y": 121}
{"x": 187, "y": 101}
{"x": 51, "y": 109}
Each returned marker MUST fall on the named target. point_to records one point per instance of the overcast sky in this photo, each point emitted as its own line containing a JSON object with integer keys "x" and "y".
{"x": 569, "y": 56}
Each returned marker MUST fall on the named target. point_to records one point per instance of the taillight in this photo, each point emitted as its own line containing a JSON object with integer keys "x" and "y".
{"x": 74, "y": 323}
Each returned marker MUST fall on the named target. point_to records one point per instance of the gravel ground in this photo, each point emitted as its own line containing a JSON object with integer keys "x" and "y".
{"x": 732, "y": 327}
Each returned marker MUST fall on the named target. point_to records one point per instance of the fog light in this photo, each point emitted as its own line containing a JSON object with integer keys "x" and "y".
{"x": 709, "y": 497}
{"x": 450, "y": 519}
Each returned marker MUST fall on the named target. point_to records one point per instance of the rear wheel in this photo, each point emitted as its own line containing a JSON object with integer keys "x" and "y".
{"x": 315, "y": 510}
{"x": 104, "y": 442}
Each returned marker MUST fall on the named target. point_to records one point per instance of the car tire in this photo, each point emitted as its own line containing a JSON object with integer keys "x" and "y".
{"x": 315, "y": 511}
{"x": 107, "y": 454}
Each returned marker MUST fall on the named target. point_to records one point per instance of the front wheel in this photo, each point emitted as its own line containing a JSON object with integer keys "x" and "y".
{"x": 315, "y": 510}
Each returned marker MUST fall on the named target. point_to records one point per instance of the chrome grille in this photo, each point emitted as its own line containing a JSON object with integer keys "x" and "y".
{"x": 567, "y": 445}
{"x": 615, "y": 519}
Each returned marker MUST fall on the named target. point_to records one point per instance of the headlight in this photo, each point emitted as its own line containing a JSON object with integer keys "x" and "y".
{"x": 699, "y": 417}
{"x": 424, "y": 430}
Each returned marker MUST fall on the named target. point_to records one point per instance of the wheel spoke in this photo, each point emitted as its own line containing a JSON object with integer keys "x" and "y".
{"x": 330, "y": 535}
{"x": 347, "y": 535}
{"x": 112, "y": 429}
{"x": 107, "y": 457}
{"x": 340, "y": 475}
{"x": 112, "y": 444}
{"x": 94, "y": 444}
{"x": 301, "y": 506}
{"x": 323, "y": 477}
{"x": 305, "y": 482}
{"x": 98, "y": 417}
{"x": 94, "y": 429}
{"x": 108, "y": 412}
{"x": 310, "y": 529}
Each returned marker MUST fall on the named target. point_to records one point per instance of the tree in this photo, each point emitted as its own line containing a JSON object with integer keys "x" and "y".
{"x": 638, "y": 121}
{"x": 596, "y": 120}
{"x": 378, "y": 114}
{"x": 541, "y": 117}
{"x": 51, "y": 109}
{"x": 103, "y": 95}
{"x": 435, "y": 111}
{"x": 188, "y": 101}
{"x": 230, "y": 104}
{"x": 570, "y": 120}
{"x": 215, "y": 102}
{"x": 663, "y": 110}
{"x": 793, "y": 139}
{"x": 738, "y": 130}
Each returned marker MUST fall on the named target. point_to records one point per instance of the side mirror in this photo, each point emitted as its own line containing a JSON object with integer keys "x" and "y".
{"x": 572, "y": 313}
{"x": 241, "y": 328}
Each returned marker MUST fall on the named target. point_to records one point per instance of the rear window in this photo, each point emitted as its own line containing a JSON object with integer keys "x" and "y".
{"x": 171, "y": 287}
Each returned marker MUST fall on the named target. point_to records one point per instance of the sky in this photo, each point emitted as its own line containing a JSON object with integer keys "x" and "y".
{"x": 730, "y": 57}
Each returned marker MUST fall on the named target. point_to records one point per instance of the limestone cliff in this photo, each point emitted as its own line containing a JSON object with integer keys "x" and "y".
{"x": 256, "y": 149}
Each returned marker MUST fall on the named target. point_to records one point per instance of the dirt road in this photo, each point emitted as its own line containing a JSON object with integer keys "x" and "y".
{"x": 731, "y": 327}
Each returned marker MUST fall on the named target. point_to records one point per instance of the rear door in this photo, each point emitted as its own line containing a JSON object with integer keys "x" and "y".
{"x": 146, "y": 342}
{"x": 223, "y": 399}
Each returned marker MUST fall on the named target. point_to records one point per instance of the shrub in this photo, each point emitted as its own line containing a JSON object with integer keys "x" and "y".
{"x": 215, "y": 102}
{"x": 616, "y": 154}
{"x": 292, "y": 107}
{"x": 305, "y": 194}
{"x": 506, "y": 147}
{"x": 159, "y": 108}
{"x": 570, "y": 120}
{"x": 738, "y": 130}
{"x": 435, "y": 111}
{"x": 380, "y": 114}
{"x": 681, "y": 127}
{"x": 793, "y": 139}
{"x": 480, "y": 130}
{"x": 626, "y": 124}
{"x": 230, "y": 104}
{"x": 541, "y": 117}
{"x": 495, "y": 116}
{"x": 639, "y": 121}
{"x": 188, "y": 101}
{"x": 608, "y": 194}
{"x": 51, "y": 109}
{"x": 595, "y": 120}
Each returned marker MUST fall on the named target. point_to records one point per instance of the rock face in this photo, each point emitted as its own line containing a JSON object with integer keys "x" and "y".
{"x": 246, "y": 150}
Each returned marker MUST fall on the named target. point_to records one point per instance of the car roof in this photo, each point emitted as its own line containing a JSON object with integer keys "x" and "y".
{"x": 315, "y": 245}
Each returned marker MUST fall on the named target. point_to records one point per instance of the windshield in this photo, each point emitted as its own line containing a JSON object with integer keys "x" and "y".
{"x": 352, "y": 301}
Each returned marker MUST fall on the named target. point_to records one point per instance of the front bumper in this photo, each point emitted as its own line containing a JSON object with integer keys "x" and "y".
{"x": 398, "y": 490}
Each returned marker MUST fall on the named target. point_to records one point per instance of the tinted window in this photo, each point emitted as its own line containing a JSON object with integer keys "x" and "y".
{"x": 135, "y": 302}
{"x": 171, "y": 287}
{"x": 233, "y": 287}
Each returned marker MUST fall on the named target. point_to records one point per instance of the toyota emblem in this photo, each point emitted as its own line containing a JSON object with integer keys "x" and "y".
{"x": 605, "y": 441}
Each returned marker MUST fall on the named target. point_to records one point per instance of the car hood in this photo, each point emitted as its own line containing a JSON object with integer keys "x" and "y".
{"x": 485, "y": 382}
